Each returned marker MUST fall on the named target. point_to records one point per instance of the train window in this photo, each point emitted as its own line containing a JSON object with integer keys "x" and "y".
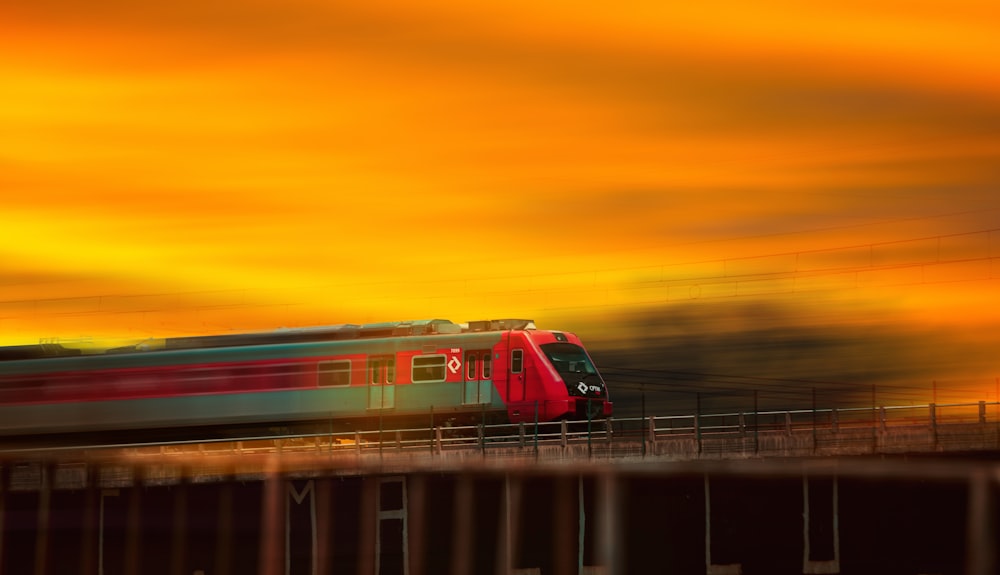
{"x": 487, "y": 365}
{"x": 428, "y": 368}
{"x": 334, "y": 373}
{"x": 516, "y": 360}
{"x": 470, "y": 365}
{"x": 568, "y": 358}
{"x": 390, "y": 369}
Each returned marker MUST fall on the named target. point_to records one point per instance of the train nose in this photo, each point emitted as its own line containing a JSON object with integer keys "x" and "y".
{"x": 592, "y": 408}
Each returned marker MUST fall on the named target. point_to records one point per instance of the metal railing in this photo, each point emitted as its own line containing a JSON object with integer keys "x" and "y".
{"x": 927, "y": 427}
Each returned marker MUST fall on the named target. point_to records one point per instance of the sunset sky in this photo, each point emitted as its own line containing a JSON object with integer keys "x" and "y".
{"x": 193, "y": 167}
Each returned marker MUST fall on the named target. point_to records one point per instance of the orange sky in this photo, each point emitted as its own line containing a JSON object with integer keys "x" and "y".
{"x": 203, "y": 166}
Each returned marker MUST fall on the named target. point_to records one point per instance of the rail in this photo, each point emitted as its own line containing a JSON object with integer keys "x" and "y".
{"x": 834, "y": 431}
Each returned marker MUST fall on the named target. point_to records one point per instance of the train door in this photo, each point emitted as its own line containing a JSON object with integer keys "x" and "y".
{"x": 381, "y": 380}
{"x": 478, "y": 374}
{"x": 516, "y": 368}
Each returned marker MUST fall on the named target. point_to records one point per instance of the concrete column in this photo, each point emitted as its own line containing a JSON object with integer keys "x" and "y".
{"x": 824, "y": 567}
{"x": 178, "y": 556}
{"x": 272, "y": 524}
{"x": 711, "y": 568}
{"x": 508, "y": 532}
{"x": 416, "y": 501}
{"x": 368, "y": 525}
{"x": 224, "y": 538}
{"x": 565, "y": 528}
{"x": 88, "y": 554}
{"x": 133, "y": 537}
{"x": 610, "y": 521}
{"x": 461, "y": 554}
{"x": 105, "y": 493}
{"x": 981, "y": 540}
{"x": 42, "y": 529}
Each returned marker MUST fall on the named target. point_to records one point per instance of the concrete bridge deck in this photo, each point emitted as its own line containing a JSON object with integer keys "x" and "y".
{"x": 780, "y": 493}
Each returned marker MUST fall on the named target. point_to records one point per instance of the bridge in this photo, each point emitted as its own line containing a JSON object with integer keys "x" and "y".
{"x": 896, "y": 489}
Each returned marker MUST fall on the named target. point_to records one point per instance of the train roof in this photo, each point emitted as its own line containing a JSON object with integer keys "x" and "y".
{"x": 282, "y": 335}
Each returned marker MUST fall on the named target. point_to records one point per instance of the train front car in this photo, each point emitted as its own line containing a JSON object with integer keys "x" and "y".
{"x": 550, "y": 376}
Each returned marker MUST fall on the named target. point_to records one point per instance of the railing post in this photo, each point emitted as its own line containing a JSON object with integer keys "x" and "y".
{"x": 697, "y": 431}
{"x": 934, "y": 431}
{"x": 788, "y": 423}
{"x": 590, "y": 451}
{"x": 743, "y": 424}
{"x": 438, "y": 438}
{"x": 881, "y": 418}
{"x": 520, "y": 432}
{"x": 652, "y": 433}
{"x": 563, "y": 428}
{"x": 697, "y": 420}
{"x": 982, "y": 412}
{"x": 756, "y": 425}
{"x": 610, "y": 434}
{"x": 536, "y": 428}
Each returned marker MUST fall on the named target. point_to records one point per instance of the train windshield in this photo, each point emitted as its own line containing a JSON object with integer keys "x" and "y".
{"x": 568, "y": 358}
{"x": 576, "y": 369}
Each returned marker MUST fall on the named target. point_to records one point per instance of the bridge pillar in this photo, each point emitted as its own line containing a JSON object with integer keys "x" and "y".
{"x": 711, "y": 568}
{"x": 368, "y": 525}
{"x": 224, "y": 536}
{"x": 980, "y": 539}
{"x": 461, "y": 555}
{"x": 609, "y": 520}
{"x": 134, "y": 522}
{"x": 823, "y": 566}
{"x": 42, "y": 527}
{"x": 272, "y": 521}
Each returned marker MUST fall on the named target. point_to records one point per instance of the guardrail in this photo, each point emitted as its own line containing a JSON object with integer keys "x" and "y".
{"x": 784, "y": 432}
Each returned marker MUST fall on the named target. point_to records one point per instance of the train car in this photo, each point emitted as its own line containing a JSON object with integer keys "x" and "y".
{"x": 350, "y": 377}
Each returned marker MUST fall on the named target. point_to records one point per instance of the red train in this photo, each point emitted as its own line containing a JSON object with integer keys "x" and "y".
{"x": 398, "y": 374}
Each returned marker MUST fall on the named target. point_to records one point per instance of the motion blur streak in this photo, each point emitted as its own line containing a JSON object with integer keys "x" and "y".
{"x": 788, "y": 190}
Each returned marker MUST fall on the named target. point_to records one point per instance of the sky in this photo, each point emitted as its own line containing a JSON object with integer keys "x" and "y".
{"x": 194, "y": 167}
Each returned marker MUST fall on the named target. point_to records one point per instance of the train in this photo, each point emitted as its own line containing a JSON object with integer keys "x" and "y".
{"x": 341, "y": 377}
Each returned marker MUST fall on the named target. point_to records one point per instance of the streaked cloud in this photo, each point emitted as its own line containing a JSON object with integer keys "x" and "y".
{"x": 194, "y": 166}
